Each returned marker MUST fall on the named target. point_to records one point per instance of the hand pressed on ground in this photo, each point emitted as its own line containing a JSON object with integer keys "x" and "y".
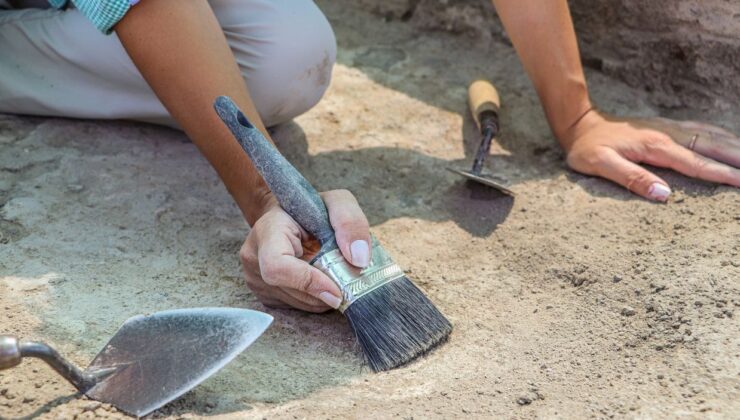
{"x": 276, "y": 252}
{"x": 545, "y": 40}
{"x": 612, "y": 148}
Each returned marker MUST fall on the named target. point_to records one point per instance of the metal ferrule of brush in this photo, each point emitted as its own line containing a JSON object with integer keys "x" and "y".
{"x": 356, "y": 282}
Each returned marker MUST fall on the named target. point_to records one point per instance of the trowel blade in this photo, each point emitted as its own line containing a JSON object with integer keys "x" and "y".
{"x": 482, "y": 179}
{"x": 159, "y": 357}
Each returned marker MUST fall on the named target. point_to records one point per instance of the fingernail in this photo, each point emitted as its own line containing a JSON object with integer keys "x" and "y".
{"x": 360, "y": 254}
{"x": 330, "y": 299}
{"x": 659, "y": 192}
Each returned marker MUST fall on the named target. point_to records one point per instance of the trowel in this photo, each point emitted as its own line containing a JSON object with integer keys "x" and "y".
{"x": 152, "y": 359}
{"x": 484, "y": 103}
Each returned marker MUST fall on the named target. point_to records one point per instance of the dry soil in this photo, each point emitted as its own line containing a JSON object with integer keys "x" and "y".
{"x": 575, "y": 299}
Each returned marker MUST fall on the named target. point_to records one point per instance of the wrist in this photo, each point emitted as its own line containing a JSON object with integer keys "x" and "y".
{"x": 584, "y": 123}
{"x": 260, "y": 201}
{"x": 565, "y": 104}
{"x": 564, "y": 124}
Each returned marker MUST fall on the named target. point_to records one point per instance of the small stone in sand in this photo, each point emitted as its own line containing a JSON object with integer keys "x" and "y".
{"x": 627, "y": 311}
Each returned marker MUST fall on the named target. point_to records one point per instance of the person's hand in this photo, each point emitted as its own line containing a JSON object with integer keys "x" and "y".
{"x": 613, "y": 148}
{"x": 275, "y": 254}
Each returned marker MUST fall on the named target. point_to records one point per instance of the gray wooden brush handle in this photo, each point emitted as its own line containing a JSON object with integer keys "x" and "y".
{"x": 295, "y": 195}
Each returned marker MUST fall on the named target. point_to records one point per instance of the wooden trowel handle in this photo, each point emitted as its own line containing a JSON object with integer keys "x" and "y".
{"x": 483, "y": 98}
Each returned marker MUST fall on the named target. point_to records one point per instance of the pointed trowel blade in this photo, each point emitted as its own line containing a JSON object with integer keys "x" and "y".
{"x": 159, "y": 357}
{"x": 483, "y": 179}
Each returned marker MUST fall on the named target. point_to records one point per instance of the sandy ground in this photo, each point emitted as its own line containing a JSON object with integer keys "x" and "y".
{"x": 682, "y": 52}
{"x": 576, "y": 299}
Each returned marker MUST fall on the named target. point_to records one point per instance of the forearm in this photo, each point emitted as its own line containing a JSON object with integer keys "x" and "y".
{"x": 180, "y": 49}
{"x": 543, "y": 35}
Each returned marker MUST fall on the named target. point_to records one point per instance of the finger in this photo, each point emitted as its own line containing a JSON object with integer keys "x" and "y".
{"x": 270, "y": 295}
{"x": 281, "y": 227}
{"x": 702, "y": 127}
{"x": 306, "y": 300}
{"x": 693, "y": 164}
{"x": 282, "y": 299}
{"x": 248, "y": 251}
{"x": 706, "y": 139}
{"x": 273, "y": 303}
{"x": 679, "y": 129}
{"x": 277, "y": 297}
{"x": 716, "y": 146}
{"x": 634, "y": 177}
{"x": 350, "y": 226}
{"x": 280, "y": 267}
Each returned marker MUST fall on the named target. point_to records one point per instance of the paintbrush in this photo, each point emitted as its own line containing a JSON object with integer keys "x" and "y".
{"x": 394, "y": 322}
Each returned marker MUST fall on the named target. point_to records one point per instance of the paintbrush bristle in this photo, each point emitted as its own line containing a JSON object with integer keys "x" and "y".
{"x": 395, "y": 324}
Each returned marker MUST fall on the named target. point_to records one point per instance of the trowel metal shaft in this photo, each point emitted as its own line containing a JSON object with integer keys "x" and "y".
{"x": 489, "y": 129}
{"x": 12, "y": 353}
{"x": 70, "y": 372}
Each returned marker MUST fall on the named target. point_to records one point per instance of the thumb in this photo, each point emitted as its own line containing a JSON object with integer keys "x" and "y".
{"x": 613, "y": 166}
{"x": 350, "y": 226}
{"x": 280, "y": 268}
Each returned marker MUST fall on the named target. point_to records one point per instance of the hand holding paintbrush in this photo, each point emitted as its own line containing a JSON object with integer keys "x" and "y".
{"x": 276, "y": 252}
{"x": 394, "y": 322}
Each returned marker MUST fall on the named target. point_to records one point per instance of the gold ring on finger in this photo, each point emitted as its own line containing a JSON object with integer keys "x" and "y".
{"x": 692, "y": 143}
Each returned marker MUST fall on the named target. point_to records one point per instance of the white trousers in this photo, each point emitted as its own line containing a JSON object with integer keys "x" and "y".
{"x": 55, "y": 63}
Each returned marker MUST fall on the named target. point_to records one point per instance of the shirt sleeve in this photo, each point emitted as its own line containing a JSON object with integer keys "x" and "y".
{"x": 104, "y": 14}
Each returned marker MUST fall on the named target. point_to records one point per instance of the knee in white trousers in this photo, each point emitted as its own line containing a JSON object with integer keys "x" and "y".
{"x": 55, "y": 62}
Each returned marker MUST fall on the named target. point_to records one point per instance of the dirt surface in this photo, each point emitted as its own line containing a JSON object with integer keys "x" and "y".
{"x": 575, "y": 299}
{"x": 682, "y": 52}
